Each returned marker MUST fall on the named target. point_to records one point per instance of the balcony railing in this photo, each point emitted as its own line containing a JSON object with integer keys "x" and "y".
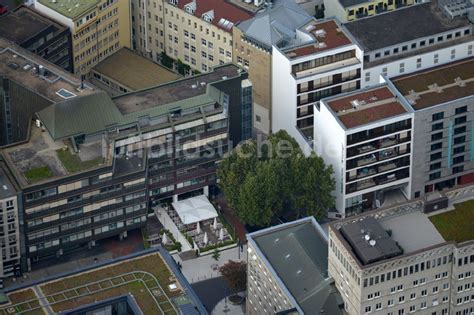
{"x": 376, "y": 169}
{"x": 379, "y": 180}
{"x": 377, "y": 157}
{"x": 365, "y": 136}
{"x": 377, "y": 145}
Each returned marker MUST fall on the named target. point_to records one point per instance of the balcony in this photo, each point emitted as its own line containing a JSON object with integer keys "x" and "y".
{"x": 378, "y": 156}
{"x": 377, "y": 145}
{"x": 325, "y": 68}
{"x": 367, "y": 135}
{"x": 379, "y": 180}
{"x": 377, "y": 169}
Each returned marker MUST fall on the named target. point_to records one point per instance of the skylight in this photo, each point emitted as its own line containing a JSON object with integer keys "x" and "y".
{"x": 65, "y": 94}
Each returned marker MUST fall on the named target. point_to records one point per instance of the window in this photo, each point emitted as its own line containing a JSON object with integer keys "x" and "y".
{"x": 438, "y": 116}
{"x": 367, "y": 77}
{"x": 460, "y": 120}
{"x": 437, "y": 126}
{"x": 436, "y": 136}
{"x": 404, "y": 48}
{"x": 435, "y": 176}
{"x": 418, "y": 63}
{"x": 423, "y": 305}
{"x": 435, "y": 166}
{"x": 436, "y": 146}
{"x": 453, "y": 53}
{"x": 458, "y": 159}
{"x": 435, "y": 156}
{"x": 402, "y": 67}
{"x": 459, "y": 140}
{"x": 368, "y": 309}
{"x": 436, "y": 58}
{"x": 459, "y": 130}
{"x": 461, "y": 110}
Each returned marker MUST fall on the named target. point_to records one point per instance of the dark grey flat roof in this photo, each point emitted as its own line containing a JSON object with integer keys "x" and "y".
{"x": 299, "y": 255}
{"x": 377, "y": 246}
{"x": 24, "y": 23}
{"x": 350, "y": 3}
{"x": 6, "y": 188}
{"x": 402, "y": 25}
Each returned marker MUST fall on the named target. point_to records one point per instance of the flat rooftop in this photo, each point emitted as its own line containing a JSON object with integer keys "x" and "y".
{"x": 133, "y": 71}
{"x": 326, "y": 35}
{"x": 418, "y": 21}
{"x": 456, "y": 225}
{"x": 6, "y": 188}
{"x": 437, "y": 85}
{"x": 225, "y": 14}
{"x": 71, "y": 9}
{"x": 173, "y": 91}
{"x": 370, "y": 241}
{"x": 298, "y": 252}
{"x": 55, "y": 84}
{"x": 367, "y": 106}
{"x": 23, "y": 23}
{"x": 350, "y": 3}
{"x": 42, "y": 159}
{"x": 412, "y": 231}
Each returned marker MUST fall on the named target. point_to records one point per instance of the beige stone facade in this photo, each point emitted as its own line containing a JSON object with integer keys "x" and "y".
{"x": 257, "y": 61}
{"x": 98, "y": 30}
{"x": 201, "y": 40}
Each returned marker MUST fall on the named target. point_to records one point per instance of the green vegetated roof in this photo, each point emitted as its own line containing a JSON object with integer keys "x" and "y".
{"x": 70, "y": 8}
{"x": 456, "y": 225}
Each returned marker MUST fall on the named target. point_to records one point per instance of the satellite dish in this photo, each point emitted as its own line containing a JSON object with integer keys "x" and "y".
{"x": 367, "y": 237}
{"x": 372, "y": 242}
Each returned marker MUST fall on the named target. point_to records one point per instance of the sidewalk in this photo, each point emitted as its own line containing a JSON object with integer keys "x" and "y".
{"x": 200, "y": 268}
{"x": 225, "y": 307}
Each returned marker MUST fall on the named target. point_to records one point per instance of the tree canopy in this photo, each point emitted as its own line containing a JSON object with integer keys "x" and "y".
{"x": 235, "y": 273}
{"x": 273, "y": 178}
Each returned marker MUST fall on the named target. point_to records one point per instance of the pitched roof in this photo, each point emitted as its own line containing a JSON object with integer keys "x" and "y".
{"x": 276, "y": 24}
{"x": 90, "y": 114}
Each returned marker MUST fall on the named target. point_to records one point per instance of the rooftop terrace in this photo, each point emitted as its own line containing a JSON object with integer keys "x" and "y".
{"x": 438, "y": 85}
{"x": 456, "y": 225}
{"x": 326, "y": 35}
{"x": 71, "y": 9}
{"x": 421, "y": 20}
{"x": 173, "y": 91}
{"x": 222, "y": 11}
{"x": 42, "y": 159}
{"x": 367, "y": 106}
{"x": 51, "y": 83}
{"x": 23, "y": 23}
{"x": 134, "y": 71}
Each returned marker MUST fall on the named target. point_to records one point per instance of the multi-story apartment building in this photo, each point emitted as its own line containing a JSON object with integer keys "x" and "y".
{"x": 98, "y": 27}
{"x": 88, "y": 164}
{"x": 322, "y": 61}
{"x": 9, "y": 228}
{"x": 38, "y": 34}
{"x": 350, "y": 10}
{"x": 287, "y": 271}
{"x": 254, "y": 42}
{"x": 442, "y": 99}
{"x": 427, "y": 39}
{"x": 367, "y": 137}
{"x": 197, "y": 32}
{"x": 397, "y": 261}
{"x": 412, "y": 135}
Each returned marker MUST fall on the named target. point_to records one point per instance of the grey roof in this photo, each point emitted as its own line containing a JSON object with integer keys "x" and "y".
{"x": 298, "y": 253}
{"x": 275, "y": 24}
{"x": 350, "y": 3}
{"x": 416, "y": 21}
{"x": 6, "y": 188}
{"x": 358, "y": 235}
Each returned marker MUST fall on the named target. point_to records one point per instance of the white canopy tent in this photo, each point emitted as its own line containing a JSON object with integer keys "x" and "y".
{"x": 195, "y": 209}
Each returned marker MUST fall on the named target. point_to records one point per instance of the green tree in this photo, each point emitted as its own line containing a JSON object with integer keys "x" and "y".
{"x": 166, "y": 60}
{"x": 262, "y": 181}
{"x": 235, "y": 273}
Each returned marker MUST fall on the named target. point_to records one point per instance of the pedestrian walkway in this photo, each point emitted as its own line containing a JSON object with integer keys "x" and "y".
{"x": 206, "y": 267}
{"x": 42, "y": 300}
{"x": 227, "y": 308}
